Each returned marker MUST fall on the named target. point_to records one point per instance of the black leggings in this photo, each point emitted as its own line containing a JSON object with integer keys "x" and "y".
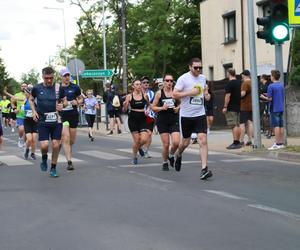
{"x": 90, "y": 120}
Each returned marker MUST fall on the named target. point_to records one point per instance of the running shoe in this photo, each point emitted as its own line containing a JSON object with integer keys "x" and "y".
{"x": 70, "y": 166}
{"x": 89, "y": 135}
{"x": 147, "y": 155}
{"x": 33, "y": 157}
{"x": 178, "y": 163}
{"x": 194, "y": 141}
{"x": 12, "y": 130}
{"x": 165, "y": 166}
{"x": 44, "y": 166}
{"x": 21, "y": 143}
{"x": 135, "y": 161}
{"x": 53, "y": 173}
{"x": 205, "y": 174}
{"x": 141, "y": 152}
{"x": 119, "y": 131}
{"x": 110, "y": 133}
{"x": 234, "y": 146}
{"x": 26, "y": 153}
{"x": 92, "y": 139}
{"x": 171, "y": 160}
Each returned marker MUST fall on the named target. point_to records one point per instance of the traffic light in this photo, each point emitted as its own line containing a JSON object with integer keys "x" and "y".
{"x": 279, "y": 21}
{"x": 265, "y": 33}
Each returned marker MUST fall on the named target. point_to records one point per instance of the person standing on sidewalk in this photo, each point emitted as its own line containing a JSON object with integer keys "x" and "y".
{"x": 48, "y": 98}
{"x": 191, "y": 88}
{"x": 275, "y": 96}
{"x": 231, "y": 107}
{"x": 246, "y": 109}
{"x": 90, "y": 109}
{"x": 167, "y": 109}
{"x": 69, "y": 114}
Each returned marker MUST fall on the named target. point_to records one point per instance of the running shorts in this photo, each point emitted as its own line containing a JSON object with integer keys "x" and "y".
{"x": 191, "y": 125}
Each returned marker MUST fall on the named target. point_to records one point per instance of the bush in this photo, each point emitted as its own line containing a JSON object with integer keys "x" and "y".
{"x": 295, "y": 76}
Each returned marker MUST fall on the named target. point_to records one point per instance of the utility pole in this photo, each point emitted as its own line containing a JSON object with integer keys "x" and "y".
{"x": 124, "y": 47}
{"x": 104, "y": 41}
{"x": 254, "y": 83}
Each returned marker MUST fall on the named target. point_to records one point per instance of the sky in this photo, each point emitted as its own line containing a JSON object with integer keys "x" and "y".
{"x": 31, "y": 34}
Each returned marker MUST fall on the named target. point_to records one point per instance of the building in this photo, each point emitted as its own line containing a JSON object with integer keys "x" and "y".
{"x": 224, "y": 37}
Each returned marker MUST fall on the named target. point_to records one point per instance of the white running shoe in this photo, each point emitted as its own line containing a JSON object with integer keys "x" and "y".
{"x": 274, "y": 147}
{"x": 12, "y": 130}
{"x": 21, "y": 143}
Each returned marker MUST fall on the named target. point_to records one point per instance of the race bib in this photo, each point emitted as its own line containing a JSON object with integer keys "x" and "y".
{"x": 51, "y": 117}
{"x": 28, "y": 113}
{"x": 196, "y": 100}
{"x": 169, "y": 102}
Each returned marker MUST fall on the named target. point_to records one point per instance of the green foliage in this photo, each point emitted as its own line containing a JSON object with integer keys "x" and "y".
{"x": 32, "y": 77}
{"x": 5, "y": 81}
{"x": 295, "y": 71}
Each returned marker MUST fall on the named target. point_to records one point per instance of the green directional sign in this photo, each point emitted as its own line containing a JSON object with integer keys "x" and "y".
{"x": 97, "y": 73}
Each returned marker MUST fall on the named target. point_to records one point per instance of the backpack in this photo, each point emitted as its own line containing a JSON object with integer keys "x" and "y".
{"x": 116, "y": 102}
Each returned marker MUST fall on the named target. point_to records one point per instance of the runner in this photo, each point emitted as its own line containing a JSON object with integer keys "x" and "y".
{"x": 69, "y": 114}
{"x": 12, "y": 114}
{"x": 5, "y": 110}
{"x": 90, "y": 108}
{"x": 150, "y": 116}
{"x": 192, "y": 88}
{"x": 30, "y": 127}
{"x": 20, "y": 100}
{"x": 167, "y": 121}
{"x": 138, "y": 102}
{"x": 47, "y": 96}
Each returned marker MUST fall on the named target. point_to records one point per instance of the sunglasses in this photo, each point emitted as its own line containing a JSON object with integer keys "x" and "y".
{"x": 197, "y": 68}
{"x": 49, "y": 78}
{"x": 168, "y": 80}
{"x": 145, "y": 82}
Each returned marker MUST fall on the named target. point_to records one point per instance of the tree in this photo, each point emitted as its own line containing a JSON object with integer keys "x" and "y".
{"x": 32, "y": 77}
{"x": 295, "y": 71}
{"x": 3, "y": 76}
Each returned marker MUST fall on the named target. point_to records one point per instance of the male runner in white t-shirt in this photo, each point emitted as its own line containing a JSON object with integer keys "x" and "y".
{"x": 192, "y": 89}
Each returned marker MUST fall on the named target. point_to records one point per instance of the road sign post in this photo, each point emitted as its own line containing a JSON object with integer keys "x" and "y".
{"x": 97, "y": 73}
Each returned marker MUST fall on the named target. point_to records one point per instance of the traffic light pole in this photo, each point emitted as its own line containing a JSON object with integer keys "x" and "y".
{"x": 279, "y": 66}
{"x": 254, "y": 83}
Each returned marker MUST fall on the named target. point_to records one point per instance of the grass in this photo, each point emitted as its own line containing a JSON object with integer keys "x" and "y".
{"x": 293, "y": 148}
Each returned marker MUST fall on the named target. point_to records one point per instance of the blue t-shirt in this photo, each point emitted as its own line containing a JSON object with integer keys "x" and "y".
{"x": 72, "y": 91}
{"x": 45, "y": 99}
{"x": 276, "y": 92}
{"x": 28, "y": 110}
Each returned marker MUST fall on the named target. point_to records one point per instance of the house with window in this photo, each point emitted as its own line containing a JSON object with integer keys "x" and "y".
{"x": 225, "y": 40}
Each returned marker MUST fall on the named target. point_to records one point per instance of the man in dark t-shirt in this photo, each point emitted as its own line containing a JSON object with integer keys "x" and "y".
{"x": 46, "y": 105}
{"x": 231, "y": 107}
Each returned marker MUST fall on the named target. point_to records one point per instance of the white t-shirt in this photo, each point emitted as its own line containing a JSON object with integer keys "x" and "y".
{"x": 191, "y": 106}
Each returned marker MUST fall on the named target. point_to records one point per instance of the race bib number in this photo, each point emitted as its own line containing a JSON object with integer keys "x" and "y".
{"x": 169, "y": 102}
{"x": 28, "y": 113}
{"x": 196, "y": 100}
{"x": 51, "y": 117}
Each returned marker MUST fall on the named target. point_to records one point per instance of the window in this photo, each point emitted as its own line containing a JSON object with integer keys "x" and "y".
{"x": 226, "y": 67}
{"x": 229, "y": 27}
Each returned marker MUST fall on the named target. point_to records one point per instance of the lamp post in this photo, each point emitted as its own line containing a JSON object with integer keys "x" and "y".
{"x": 104, "y": 41}
{"x": 124, "y": 47}
{"x": 64, "y": 26}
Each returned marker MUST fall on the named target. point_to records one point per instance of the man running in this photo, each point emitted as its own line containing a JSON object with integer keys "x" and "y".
{"x": 69, "y": 114}
{"x": 20, "y": 100}
{"x": 4, "y": 105}
{"x": 47, "y": 96}
{"x": 192, "y": 89}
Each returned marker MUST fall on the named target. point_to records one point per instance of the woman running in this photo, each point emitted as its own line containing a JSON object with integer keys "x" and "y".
{"x": 90, "y": 107}
{"x": 30, "y": 127}
{"x": 167, "y": 121}
{"x": 138, "y": 104}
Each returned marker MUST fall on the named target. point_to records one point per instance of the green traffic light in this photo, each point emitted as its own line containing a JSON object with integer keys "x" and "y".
{"x": 280, "y": 32}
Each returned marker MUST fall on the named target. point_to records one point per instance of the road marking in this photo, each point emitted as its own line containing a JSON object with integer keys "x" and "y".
{"x": 61, "y": 158}
{"x": 194, "y": 151}
{"x": 151, "y": 153}
{"x": 103, "y": 155}
{"x": 243, "y": 159}
{"x": 12, "y": 160}
{"x": 225, "y": 194}
{"x": 155, "y": 164}
{"x": 151, "y": 177}
{"x": 276, "y": 211}
{"x": 110, "y": 167}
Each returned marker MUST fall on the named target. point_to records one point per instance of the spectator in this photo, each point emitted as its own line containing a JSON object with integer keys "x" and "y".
{"x": 231, "y": 107}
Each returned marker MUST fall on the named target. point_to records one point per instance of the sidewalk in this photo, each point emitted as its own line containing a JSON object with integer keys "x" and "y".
{"x": 218, "y": 141}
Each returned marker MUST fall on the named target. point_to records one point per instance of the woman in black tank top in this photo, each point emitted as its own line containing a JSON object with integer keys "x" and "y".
{"x": 137, "y": 102}
{"x": 167, "y": 121}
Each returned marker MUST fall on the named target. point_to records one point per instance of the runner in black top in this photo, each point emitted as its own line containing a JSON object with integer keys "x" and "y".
{"x": 167, "y": 121}
{"x": 138, "y": 103}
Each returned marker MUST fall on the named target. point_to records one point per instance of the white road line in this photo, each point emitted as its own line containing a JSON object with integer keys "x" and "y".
{"x": 195, "y": 151}
{"x": 151, "y": 153}
{"x": 276, "y": 211}
{"x": 12, "y": 160}
{"x": 225, "y": 194}
{"x": 242, "y": 160}
{"x": 61, "y": 158}
{"x": 103, "y": 155}
{"x": 151, "y": 177}
{"x": 155, "y": 164}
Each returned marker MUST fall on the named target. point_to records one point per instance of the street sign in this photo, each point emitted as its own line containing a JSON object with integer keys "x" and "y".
{"x": 76, "y": 66}
{"x": 97, "y": 73}
{"x": 294, "y": 12}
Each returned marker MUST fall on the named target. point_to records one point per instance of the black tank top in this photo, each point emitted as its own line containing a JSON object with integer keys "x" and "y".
{"x": 170, "y": 102}
{"x": 137, "y": 104}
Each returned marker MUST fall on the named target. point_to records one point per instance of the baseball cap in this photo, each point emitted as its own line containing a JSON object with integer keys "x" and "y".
{"x": 246, "y": 73}
{"x": 64, "y": 72}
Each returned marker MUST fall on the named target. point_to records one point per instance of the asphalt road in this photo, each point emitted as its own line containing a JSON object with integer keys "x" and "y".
{"x": 107, "y": 204}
